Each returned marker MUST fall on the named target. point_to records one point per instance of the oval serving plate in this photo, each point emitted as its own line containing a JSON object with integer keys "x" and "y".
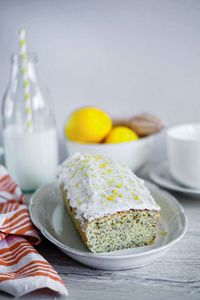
{"x": 50, "y": 217}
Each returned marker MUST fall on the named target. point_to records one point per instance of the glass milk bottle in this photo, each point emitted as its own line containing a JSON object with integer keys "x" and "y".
{"x": 31, "y": 152}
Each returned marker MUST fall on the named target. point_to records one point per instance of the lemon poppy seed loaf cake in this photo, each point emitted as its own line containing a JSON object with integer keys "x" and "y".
{"x": 110, "y": 206}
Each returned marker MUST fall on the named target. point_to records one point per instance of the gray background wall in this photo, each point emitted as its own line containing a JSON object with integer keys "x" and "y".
{"x": 124, "y": 56}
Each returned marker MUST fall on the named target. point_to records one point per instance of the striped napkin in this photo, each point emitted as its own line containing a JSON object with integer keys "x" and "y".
{"x": 22, "y": 268}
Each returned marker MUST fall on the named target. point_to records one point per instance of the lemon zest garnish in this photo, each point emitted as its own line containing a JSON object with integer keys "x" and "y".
{"x": 110, "y": 198}
{"x": 163, "y": 233}
{"x": 119, "y": 185}
{"x": 103, "y": 165}
{"x": 114, "y": 191}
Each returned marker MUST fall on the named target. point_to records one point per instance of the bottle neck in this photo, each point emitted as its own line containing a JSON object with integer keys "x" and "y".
{"x": 16, "y": 70}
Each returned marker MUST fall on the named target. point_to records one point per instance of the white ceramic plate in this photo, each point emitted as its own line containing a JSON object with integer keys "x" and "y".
{"x": 49, "y": 215}
{"x": 161, "y": 176}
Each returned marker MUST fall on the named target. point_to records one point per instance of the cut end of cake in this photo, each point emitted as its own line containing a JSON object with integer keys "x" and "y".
{"x": 121, "y": 231}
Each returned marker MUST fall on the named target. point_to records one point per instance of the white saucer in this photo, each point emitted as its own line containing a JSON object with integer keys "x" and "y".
{"x": 50, "y": 217}
{"x": 161, "y": 176}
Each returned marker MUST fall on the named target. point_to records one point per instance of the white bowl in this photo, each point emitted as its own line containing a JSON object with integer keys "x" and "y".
{"x": 135, "y": 154}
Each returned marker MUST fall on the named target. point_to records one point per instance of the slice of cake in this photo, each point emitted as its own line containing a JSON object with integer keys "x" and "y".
{"x": 110, "y": 206}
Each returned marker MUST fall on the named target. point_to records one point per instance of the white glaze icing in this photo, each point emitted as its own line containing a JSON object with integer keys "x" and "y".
{"x": 98, "y": 186}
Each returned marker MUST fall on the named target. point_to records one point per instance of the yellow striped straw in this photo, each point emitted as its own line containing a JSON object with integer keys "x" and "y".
{"x": 26, "y": 85}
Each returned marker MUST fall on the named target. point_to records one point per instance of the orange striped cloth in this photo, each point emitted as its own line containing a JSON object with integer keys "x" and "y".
{"x": 22, "y": 268}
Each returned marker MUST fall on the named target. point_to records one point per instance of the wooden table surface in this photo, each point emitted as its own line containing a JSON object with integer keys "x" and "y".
{"x": 174, "y": 276}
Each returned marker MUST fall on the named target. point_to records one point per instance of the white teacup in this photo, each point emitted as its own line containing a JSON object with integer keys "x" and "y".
{"x": 183, "y": 150}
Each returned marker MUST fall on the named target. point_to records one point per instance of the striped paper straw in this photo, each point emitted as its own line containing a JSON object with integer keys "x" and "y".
{"x": 26, "y": 85}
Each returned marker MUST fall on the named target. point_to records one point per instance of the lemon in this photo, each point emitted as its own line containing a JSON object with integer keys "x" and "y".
{"x": 121, "y": 134}
{"x": 88, "y": 125}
